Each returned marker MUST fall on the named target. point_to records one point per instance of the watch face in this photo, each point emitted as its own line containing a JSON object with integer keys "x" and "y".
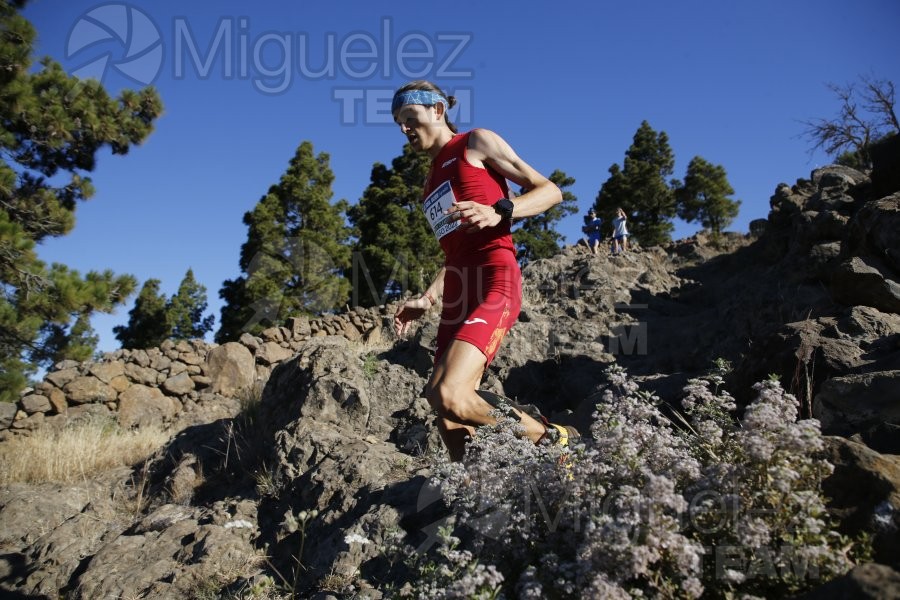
{"x": 504, "y": 208}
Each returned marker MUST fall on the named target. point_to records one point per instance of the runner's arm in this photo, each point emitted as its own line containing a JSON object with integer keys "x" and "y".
{"x": 492, "y": 150}
{"x": 414, "y": 308}
{"x": 436, "y": 289}
{"x": 486, "y": 148}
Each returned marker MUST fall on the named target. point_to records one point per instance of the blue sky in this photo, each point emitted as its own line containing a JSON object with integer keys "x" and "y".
{"x": 566, "y": 83}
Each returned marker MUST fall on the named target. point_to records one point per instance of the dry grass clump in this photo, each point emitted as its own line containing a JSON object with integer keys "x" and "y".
{"x": 79, "y": 450}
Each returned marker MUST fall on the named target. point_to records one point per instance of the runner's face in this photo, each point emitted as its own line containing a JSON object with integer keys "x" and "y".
{"x": 419, "y": 124}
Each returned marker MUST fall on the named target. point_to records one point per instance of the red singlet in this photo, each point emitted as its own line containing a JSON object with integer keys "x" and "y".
{"x": 482, "y": 283}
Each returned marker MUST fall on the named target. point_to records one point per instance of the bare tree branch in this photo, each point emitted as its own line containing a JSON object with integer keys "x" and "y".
{"x": 864, "y": 117}
{"x": 879, "y": 95}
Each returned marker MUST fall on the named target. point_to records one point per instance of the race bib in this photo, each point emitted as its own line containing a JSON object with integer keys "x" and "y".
{"x": 436, "y": 203}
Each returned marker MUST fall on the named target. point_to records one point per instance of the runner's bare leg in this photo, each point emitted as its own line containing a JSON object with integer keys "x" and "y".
{"x": 451, "y": 392}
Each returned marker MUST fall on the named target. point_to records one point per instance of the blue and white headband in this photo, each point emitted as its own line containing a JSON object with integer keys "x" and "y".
{"x": 424, "y": 97}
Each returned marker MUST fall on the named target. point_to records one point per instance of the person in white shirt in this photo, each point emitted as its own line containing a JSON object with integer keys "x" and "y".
{"x": 620, "y": 232}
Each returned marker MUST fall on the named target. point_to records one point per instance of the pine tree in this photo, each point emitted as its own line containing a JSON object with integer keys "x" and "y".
{"x": 537, "y": 237}
{"x": 155, "y": 319}
{"x": 82, "y": 339}
{"x": 296, "y": 254}
{"x": 641, "y": 188}
{"x": 704, "y": 196}
{"x": 148, "y": 322}
{"x": 51, "y": 128}
{"x": 184, "y": 311}
{"x": 395, "y": 249}
{"x": 239, "y": 313}
{"x": 79, "y": 339}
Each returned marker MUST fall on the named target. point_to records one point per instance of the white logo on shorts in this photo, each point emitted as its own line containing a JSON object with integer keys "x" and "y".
{"x": 475, "y": 320}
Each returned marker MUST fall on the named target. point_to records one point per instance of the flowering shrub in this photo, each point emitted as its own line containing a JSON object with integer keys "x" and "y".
{"x": 447, "y": 573}
{"x": 648, "y": 505}
{"x": 758, "y": 504}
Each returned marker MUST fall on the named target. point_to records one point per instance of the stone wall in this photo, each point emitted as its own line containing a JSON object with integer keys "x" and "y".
{"x": 138, "y": 386}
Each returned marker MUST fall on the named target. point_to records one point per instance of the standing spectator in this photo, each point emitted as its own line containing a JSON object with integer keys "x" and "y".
{"x": 592, "y": 228}
{"x": 620, "y": 232}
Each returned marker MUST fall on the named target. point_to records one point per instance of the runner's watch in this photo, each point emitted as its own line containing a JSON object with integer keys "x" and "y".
{"x": 504, "y": 208}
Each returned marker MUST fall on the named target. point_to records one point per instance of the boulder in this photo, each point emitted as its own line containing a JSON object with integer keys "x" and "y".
{"x": 34, "y": 403}
{"x": 7, "y": 414}
{"x": 142, "y": 357}
{"x": 24, "y": 506}
{"x": 177, "y": 367}
{"x": 863, "y": 281}
{"x": 165, "y": 516}
{"x": 107, "y": 371}
{"x": 252, "y": 342}
{"x": 65, "y": 364}
{"x": 120, "y": 383}
{"x": 141, "y": 405}
{"x": 855, "y": 403}
{"x": 272, "y": 334}
{"x": 823, "y": 258}
{"x": 875, "y": 230}
{"x": 374, "y": 336}
{"x": 178, "y": 560}
{"x": 837, "y": 175}
{"x": 885, "y": 155}
{"x": 159, "y": 361}
{"x": 324, "y": 385}
{"x": 864, "y": 495}
{"x": 231, "y": 368}
{"x": 271, "y": 353}
{"x": 29, "y": 422}
{"x": 867, "y": 324}
{"x": 179, "y": 385}
{"x": 191, "y": 358}
{"x": 82, "y": 390}
{"x": 88, "y": 412}
{"x": 870, "y": 581}
{"x": 142, "y": 374}
{"x": 62, "y": 377}
{"x": 58, "y": 400}
{"x": 299, "y": 327}
{"x": 69, "y": 534}
{"x": 785, "y": 203}
{"x": 758, "y": 227}
{"x": 328, "y": 414}
{"x": 349, "y": 331}
{"x": 834, "y": 199}
{"x": 795, "y": 351}
{"x": 826, "y": 225}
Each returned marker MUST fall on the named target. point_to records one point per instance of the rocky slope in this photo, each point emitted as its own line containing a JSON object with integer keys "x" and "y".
{"x": 284, "y": 446}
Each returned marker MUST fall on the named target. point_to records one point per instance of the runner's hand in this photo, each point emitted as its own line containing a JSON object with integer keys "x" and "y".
{"x": 408, "y": 312}
{"x": 474, "y": 216}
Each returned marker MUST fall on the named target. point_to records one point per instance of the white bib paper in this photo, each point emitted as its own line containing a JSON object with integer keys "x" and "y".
{"x": 435, "y": 205}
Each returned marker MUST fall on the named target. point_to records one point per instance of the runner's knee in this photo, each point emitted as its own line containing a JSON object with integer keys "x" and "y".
{"x": 448, "y": 400}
